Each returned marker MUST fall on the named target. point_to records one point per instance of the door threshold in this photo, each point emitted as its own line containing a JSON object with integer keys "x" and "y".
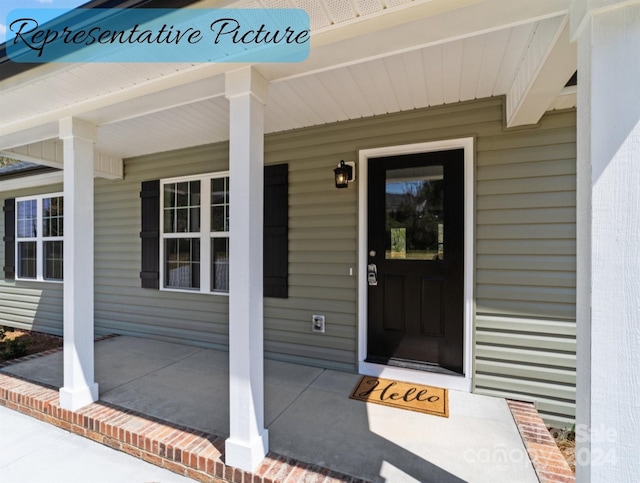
{"x": 413, "y": 365}
{"x": 448, "y": 380}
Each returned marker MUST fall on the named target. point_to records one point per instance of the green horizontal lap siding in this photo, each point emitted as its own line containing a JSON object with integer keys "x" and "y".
{"x": 323, "y": 223}
{"x": 525, "y": 266}
{"x": 30, "y": 305}
{"x": 121, "y": 305}
{"x": 524, "y": 243}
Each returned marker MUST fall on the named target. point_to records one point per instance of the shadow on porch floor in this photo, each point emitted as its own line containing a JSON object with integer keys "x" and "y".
{"x": 169, "y": 404}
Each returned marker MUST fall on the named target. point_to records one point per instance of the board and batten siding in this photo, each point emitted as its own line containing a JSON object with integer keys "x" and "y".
{"x": 524, "y": 333}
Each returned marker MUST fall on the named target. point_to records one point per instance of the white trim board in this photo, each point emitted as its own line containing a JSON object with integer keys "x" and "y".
{"x": 31, "y": 181}
{"x": 460, "y": 383}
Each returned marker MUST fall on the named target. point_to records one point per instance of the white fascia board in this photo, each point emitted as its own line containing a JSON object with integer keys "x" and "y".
{"x": 31, "y": 181}
{"x": 50, "y": 153}
{"x": 549, "y": 62}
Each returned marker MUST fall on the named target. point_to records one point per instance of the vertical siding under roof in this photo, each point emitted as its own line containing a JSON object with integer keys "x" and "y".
{"x": 525, "y": 251}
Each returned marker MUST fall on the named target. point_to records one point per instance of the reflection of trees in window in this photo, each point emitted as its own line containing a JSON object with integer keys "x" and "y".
{"x": 416, "y": 206}
{"x": 40, "y": 231}
{"x": 52, "y": 216}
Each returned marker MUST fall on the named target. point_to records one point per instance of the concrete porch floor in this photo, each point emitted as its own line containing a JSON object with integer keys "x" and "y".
{"x": 308, "y": 413}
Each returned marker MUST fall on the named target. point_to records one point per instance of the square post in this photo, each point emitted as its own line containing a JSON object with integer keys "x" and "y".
{"x": 608, "y": 240}
{"x": 79, "y": 387}
{"x": 248, "y": 441}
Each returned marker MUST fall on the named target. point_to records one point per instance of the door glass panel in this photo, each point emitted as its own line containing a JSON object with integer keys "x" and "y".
{"x": 414, "y": 207}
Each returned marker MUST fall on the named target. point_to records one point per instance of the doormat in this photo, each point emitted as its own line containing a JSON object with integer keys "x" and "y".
{"x": 403, "y": 395}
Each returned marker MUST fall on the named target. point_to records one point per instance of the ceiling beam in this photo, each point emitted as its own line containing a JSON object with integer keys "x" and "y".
{"x": 35, "y": 134}
{"x": 173, "y": 97}
{"x": 120, "y": 96}
{"x": 31, "y": 181}
{"x": 50, "y": 153}
{"x": 547, "y": 65}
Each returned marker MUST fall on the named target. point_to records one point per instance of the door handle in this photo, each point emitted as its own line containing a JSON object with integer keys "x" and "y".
{"x": 372, "y": 274}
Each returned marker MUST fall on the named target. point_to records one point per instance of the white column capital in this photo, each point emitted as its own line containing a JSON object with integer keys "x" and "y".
{"x": 72, "y": 127}
{"x": 246, "y": 81}
{"x": 582, "y": 10}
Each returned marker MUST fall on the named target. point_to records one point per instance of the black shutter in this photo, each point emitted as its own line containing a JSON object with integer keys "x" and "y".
{"x": 276, "y": 231}
{"x": 150, "y": 234}
{"x": 9, "y": 239}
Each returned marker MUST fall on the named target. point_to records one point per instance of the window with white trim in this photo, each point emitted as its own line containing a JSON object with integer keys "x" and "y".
{"x": 194, "y": 222}
{"x": 39, "y": 237}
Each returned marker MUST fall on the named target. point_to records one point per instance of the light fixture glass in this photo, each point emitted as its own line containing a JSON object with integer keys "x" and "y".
{"x": 343, "y": 174}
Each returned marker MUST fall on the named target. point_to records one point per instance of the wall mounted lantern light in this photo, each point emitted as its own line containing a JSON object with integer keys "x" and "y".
{"x": 344, "y": 173}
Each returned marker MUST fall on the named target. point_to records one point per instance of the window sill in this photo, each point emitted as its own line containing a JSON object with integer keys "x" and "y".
{"x": 177, "y": 290}
{"x": 39, "y": 280}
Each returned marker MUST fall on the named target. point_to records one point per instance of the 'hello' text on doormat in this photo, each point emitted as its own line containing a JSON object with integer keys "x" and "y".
{"x": 403, "y": 395}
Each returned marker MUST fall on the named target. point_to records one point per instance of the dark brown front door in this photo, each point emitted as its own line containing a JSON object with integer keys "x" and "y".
{"x": 416, "y": 246}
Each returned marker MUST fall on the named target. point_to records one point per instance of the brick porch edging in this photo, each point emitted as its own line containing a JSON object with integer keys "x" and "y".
{"x": 184, "y": 451}
{"x": 547, "y": 460}
{"x": 200, "y": 456}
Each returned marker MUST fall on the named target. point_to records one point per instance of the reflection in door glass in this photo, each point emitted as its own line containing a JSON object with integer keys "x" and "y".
{"x": 414, "y": 207}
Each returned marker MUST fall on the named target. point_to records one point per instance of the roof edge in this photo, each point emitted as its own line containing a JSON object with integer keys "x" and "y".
{"x": 8, "y": 68}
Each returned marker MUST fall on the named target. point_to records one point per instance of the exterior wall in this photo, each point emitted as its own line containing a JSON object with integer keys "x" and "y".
{"x": 525, "y": 266}
{"x": 30, "y": 305}
{"x": 525, "y": 263}
{"x": 121, "y": 305}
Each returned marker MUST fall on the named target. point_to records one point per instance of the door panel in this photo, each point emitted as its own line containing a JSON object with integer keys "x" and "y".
{"x": 393, "y": 291}
{"x": 431, "y": 307}
{"x": 416, "y": 241}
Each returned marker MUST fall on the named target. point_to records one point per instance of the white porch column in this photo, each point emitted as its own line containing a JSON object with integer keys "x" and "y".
{"x": 79, "y": 388}
{"x": 608, "y": 239}
{"x": 248, "y": 442}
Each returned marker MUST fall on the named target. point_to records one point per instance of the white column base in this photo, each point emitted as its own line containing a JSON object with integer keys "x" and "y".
{"x": 246, "y": 455}
{"x": 74, "y": 399}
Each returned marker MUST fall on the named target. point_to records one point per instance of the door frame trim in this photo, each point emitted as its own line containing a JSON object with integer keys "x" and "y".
{"x": 462, "y": 382}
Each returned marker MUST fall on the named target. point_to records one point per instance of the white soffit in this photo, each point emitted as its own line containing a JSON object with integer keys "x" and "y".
{"x": 202, "y": 122}
{"x": 374, "y": 57}
{"x": 461, "y": 70}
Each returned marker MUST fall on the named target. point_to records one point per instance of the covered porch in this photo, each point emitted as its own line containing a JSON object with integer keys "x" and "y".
{"x": 153, "y": 394}
{"x": 368, "y": 61}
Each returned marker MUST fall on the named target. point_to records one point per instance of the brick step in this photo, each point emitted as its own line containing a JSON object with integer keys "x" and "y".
{"x": 182, "y": 450}
{"x": 550, "y": 465}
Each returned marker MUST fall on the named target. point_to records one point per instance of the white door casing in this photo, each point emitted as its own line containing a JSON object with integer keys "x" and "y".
{"x": 463, "y": 382}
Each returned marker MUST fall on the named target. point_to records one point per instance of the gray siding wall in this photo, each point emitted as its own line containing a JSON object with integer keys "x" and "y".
{"x": 525, "y": 250}
{"x": 526, "y": 267}
{"x": 29, "y": 305}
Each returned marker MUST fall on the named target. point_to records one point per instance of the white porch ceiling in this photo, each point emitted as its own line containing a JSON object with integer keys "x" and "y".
{"x": 146, "y": 108}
